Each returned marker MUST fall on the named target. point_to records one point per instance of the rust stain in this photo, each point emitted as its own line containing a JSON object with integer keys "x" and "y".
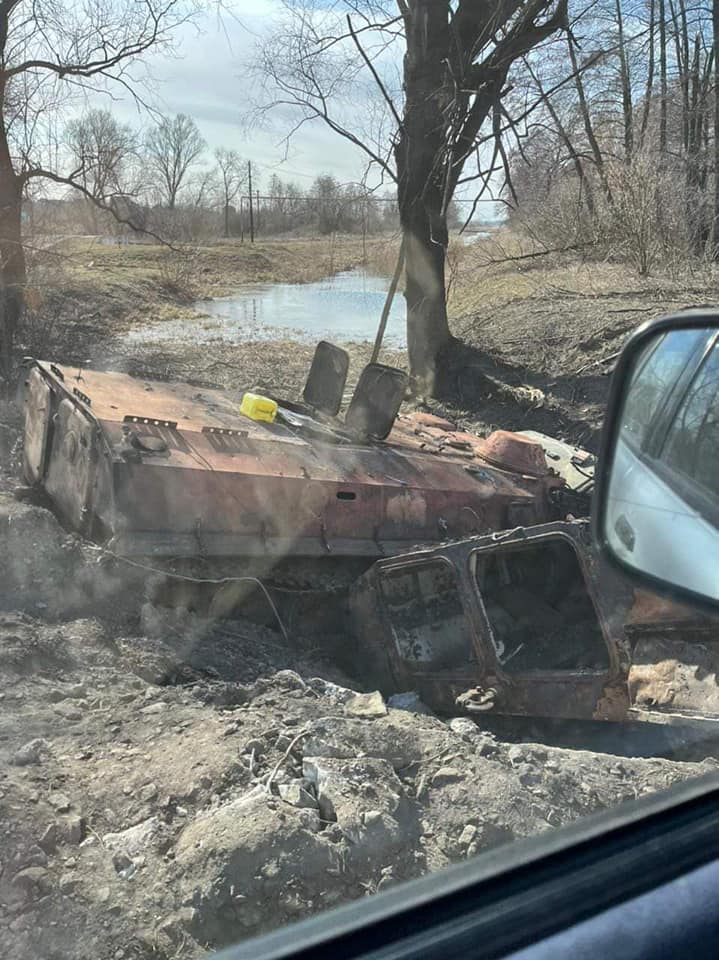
{"x": 177, "y": 455}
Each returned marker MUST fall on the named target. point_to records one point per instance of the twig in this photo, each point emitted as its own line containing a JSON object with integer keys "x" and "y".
{"x": 383, "y": 89}
{"x": 570, "y": 248}
{"x": 596, "y": 363}
{"x": 634, "y": 310}
{"x": 285, "y": 755}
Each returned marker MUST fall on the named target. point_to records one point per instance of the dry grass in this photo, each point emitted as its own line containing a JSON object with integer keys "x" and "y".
{"x": 217, "y": 268}
{"x": 507, "y": 268}
{"x": 113, "y": 287}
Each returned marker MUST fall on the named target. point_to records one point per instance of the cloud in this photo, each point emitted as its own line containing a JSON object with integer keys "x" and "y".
{"x": 208, "y": 79}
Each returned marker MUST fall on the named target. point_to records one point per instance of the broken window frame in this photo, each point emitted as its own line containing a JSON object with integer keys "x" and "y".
{"x": 572, "y": 695}
{"x": 417, "y": 666}
{"x": 515, "y": 546}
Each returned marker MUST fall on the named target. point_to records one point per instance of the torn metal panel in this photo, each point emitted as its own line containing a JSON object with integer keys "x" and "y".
{"x": 530, "y": 623}
{"x": 574, "y": 465}
{"x": 514, "y": 612}
{"x": 169, "y": 459}
{"x": 674, "y": 659}
{"x": 38, "y": 404}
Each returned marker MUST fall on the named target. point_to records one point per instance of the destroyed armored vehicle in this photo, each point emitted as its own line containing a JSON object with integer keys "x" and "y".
{"x": 529, "y": 624}
{"x": 515, "y": 618}
{"x": 169, "y": 471}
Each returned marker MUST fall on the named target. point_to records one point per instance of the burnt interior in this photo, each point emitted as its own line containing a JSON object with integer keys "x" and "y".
{"x": 426, "y": 615}
{"x": 538, "y": 607}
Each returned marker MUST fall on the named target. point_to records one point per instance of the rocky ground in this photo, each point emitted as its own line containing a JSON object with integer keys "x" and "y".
{"x": 169, "y": 786}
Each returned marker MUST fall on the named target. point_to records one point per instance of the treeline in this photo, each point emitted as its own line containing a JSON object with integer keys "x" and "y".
{"x": 619, "y": 151}
{"x": 165, "y": 181}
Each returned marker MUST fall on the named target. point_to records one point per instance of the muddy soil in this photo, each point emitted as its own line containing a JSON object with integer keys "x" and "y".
{"x": 545, "y": 362}
{"x": 161, "y": 798}
{"x": 540, "y": 361}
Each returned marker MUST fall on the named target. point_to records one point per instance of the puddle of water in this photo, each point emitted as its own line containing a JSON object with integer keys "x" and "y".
{"x": 344, "y": 307}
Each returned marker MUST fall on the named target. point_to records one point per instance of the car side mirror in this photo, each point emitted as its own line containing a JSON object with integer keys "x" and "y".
{"x": 656, "y": 505}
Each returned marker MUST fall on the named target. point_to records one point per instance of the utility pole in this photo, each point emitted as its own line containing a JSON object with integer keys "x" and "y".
{"x": 252, "y": 221}
{"x": 257, "y": 216}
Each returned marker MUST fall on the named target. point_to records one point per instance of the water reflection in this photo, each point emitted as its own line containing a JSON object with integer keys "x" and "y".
{"x": 344, "y": 307}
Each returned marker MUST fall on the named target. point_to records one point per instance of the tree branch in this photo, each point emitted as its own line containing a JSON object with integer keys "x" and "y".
{"x": 374, "y": 73}
{"x": 41, "y": 173}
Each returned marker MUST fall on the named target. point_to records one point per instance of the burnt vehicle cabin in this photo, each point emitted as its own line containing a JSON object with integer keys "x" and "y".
{"x": 510, "y": 623}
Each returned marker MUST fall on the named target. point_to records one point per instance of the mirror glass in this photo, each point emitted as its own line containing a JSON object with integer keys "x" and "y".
{"x": 661, "y": 515}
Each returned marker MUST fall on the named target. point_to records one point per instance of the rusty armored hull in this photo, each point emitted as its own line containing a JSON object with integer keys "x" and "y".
{"x": 171, "y": 470}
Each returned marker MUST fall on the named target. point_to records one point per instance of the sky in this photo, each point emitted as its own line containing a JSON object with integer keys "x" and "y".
{"x": 208, "y": 80}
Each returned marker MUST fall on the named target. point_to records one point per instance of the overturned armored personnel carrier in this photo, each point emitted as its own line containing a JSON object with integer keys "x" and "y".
{"x": 170, "y": 472}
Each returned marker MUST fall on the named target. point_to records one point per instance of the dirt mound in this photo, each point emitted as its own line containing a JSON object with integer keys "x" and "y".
{"x": 162, "y": 821}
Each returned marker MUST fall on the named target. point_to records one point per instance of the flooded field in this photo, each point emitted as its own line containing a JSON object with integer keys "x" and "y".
{"x": 345, "y": 307}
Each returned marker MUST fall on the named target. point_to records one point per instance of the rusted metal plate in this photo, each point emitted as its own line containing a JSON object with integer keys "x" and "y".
{"x": 662, "y": 660}
{"x": 573, "y": 464}
{"x": 38, "y": 403}
{"x": 70, "y": 465}
{"x": 648, "y": 609}
{"x": 672, "y": 674}
{"x": 411, "y": 618}
{"x": 184, "y": 460}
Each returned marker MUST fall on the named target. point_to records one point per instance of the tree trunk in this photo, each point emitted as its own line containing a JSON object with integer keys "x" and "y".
{"x": 681, "y": 35}
{"x": 419, "y": 152}
{"x": 585, "y": 184}
{"x": 626, "y": 87}
{"x": 587, "y": 120}
{"x": 649, "y": 89}
{"x": 427, "y": 327}
{"x": 12, "y": 258}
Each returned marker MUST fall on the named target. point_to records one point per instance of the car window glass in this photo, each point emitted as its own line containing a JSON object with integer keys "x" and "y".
{"x": 655, "y": 375}
{"x": 692, "y": 444}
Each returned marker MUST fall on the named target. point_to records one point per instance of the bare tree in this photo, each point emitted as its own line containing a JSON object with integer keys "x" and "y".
{"x": 51, "y": 50}
{"x": 101, "y": 149}
{"x": 231, "y": 178}
{"x": 456, "y": 61}
{"x": 173, "y": 147}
